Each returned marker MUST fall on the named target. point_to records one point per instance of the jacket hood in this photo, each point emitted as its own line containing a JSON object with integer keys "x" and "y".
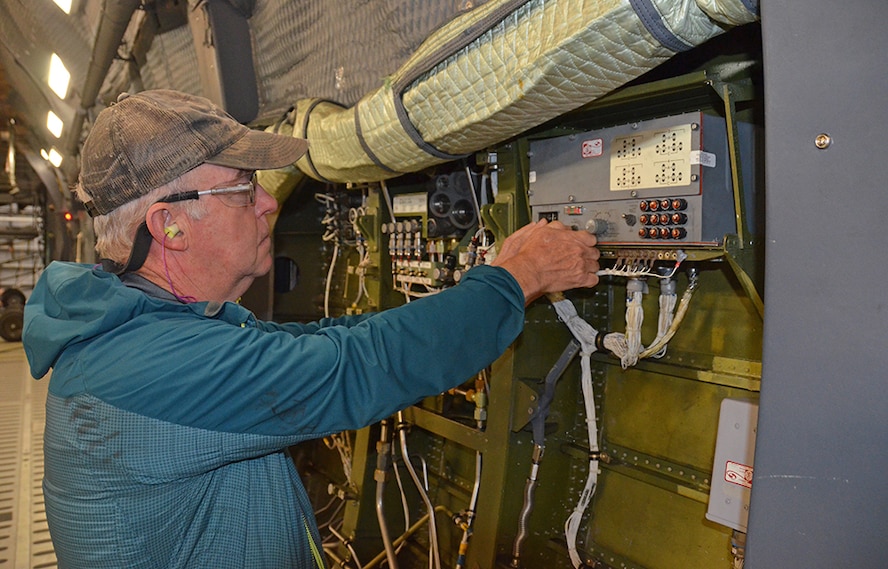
{"x": 72, "y": 303}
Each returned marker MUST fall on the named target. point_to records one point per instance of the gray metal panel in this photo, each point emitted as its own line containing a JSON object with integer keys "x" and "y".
{"x": 818, "y": 495}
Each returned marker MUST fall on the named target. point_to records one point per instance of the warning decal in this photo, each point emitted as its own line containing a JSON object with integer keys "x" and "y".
{"x": 738, "y": 474}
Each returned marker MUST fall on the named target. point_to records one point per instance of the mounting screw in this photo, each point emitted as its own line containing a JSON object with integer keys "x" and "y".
{"x": 822, "y": 141}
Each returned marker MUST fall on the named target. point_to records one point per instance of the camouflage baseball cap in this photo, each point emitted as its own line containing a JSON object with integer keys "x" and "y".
{"x": 150, "y": 138}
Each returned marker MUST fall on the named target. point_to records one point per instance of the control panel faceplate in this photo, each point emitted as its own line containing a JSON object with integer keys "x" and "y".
{"x": 663, "y": 181}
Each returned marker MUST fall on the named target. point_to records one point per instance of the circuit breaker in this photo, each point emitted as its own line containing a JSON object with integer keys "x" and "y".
{"x": 664, "y": 181}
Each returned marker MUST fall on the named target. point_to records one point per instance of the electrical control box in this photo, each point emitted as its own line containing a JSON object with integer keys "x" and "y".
{"x": 426, "y": 230}
{"x": 732, "y": 468}
{"x": 664, "y": 181}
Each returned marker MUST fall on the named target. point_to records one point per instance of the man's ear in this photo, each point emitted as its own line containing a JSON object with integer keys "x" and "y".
{"x": 165, "y": 229}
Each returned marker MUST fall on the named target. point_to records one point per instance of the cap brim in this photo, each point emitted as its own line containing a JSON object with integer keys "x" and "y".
{"x": 260, "y": 150}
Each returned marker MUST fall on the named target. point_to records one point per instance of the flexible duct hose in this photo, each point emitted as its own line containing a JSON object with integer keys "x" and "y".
{"x": 501, "y": 69}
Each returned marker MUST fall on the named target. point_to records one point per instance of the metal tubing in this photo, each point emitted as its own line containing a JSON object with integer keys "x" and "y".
{"x": 433, "y": 528}
{"x": 381, "y": 468}
{"x": 376, "y": 561}
{"x": 470, "y": 514}
{"x": 527, "y": 508}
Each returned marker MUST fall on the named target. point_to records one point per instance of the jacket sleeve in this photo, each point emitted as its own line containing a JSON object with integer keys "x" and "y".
{"x": 299, "y": 328}
{"x": 311, "y": 381}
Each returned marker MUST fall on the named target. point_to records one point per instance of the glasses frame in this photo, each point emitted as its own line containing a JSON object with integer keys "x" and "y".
{"x": 236, "y": 189}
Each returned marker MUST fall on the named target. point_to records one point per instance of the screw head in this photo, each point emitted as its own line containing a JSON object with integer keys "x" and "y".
{"x": 822, "y": 141}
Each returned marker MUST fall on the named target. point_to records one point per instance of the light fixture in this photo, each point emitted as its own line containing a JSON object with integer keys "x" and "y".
{"x": 65, "y": 5}
{"x": 54, "y": 157}
{"x": 58, "y": 76}
{"x": 44, "y": 154}
{"x": 54, "y": 124}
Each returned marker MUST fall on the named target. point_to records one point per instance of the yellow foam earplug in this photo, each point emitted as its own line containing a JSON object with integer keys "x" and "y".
{"x": 171, "y": 230}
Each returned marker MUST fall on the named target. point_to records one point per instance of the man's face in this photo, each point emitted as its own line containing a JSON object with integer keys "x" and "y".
{"x": 231, "y": 244}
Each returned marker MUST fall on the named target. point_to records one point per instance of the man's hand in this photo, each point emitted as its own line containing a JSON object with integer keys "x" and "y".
{"x": 548, "y": 257}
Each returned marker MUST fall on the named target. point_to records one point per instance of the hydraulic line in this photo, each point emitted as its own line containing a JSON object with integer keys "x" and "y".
{"x": 527, "y": 508}
{"x": 470, "y": 514}
{"x": 376, "y": 561}
{"x": 433, "y": 528}
{"x": 538, "y": 422}
{"x": 383, "y": 453}
{"x": 347, "y": 543}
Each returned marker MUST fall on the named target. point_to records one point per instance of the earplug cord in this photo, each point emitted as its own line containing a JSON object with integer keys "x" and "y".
{"x": 166, "y": 270}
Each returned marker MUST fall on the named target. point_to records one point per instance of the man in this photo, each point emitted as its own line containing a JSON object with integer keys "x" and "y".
{"x": 170, "y": 406}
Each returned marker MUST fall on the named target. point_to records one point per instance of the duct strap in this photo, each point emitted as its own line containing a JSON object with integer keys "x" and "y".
{"x": 653, "y": 21}
{"x": 367, "y": 150}
{"x": 752, "y": 6}
{"x": 458, "y": 41}
{"x": 304, "y": 134}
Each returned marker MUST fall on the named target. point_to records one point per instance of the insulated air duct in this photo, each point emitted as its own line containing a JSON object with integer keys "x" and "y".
{"x": 496, "y": 72}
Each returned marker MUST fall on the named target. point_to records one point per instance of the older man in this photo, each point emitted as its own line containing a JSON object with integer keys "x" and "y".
{"x": 170, "y": 406}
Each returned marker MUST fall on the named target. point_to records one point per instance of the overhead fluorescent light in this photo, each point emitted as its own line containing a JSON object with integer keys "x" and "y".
{"x": 54, "y": 124}
{"x": 54, "y": 157}
{"x": 65, "y": 5}
{"x": 58, "y": 76}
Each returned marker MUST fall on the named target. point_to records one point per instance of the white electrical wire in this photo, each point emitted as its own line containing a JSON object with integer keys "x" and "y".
{"x": 341, "y": 442}
{"x": 667, "y": 302}
{"x": 585, "y": 334}
{"x": 639, "y": 268}
{"x": 329, "y": 282}
{"x": 572, "y": 524}
{"x": 634, "y": 320}
{"x": 618, "y": 343}
{"x": 677, "y": 320}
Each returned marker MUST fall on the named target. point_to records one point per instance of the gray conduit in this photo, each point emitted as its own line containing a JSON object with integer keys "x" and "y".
{"x": 116, "y": 16}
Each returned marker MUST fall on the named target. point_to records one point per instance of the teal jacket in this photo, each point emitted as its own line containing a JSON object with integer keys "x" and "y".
{"x": 167, "y": 423}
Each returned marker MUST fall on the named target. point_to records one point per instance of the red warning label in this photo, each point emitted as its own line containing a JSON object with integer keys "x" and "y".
{"x": 593, "y": 148}
{"x": 738, "y": 474}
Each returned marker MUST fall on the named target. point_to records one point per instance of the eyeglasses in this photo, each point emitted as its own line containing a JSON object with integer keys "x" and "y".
{"x": 241, "y": 195}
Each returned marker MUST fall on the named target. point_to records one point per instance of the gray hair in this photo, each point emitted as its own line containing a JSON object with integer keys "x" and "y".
{"x": 116, "y": 230}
